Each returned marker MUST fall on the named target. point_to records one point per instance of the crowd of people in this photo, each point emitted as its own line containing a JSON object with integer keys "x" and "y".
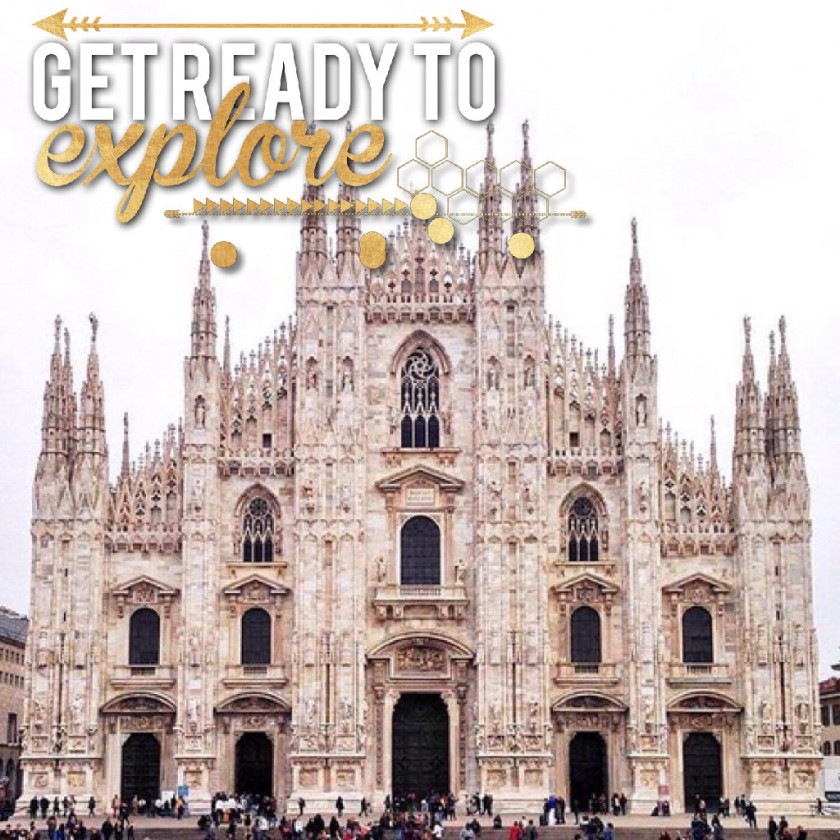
{"x": 405, "y": 817}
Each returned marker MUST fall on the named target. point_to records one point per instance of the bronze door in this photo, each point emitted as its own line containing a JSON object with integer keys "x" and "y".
{"x": 420, "y": 758}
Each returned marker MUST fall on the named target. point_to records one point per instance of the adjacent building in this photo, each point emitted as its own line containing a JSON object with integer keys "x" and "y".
{"x": 421, "y": 538}
{"x": 13, "y": 628}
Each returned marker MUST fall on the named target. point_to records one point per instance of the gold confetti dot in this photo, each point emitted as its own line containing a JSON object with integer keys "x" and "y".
{"x": 423, "y": 206}
{"x": 441, "y": 230}
{"x": 521, "y": 245}
{"x": 372, "y": 249}
{"x": 223, "y": 254}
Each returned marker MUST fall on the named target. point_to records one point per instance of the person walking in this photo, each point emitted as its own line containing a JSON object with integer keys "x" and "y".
{"x": 339, "y": 806}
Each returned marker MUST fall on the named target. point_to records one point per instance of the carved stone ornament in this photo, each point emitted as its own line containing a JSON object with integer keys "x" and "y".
{"x": 143, "y": 591}
{"x": 420, "y": 658}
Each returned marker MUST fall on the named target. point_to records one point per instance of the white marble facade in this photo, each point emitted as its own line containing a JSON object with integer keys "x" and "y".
{"x": 543, "y": 451}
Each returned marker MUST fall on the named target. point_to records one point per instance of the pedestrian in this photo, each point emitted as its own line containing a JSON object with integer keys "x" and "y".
{"x": 301, "y": 805}
{"x": 772, "y": 828}
{"x": 622, "y": 801}
{"x": 339, "y": 806}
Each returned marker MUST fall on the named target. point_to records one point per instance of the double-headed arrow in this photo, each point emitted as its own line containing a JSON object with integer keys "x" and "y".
{"x": 55, "y": 25}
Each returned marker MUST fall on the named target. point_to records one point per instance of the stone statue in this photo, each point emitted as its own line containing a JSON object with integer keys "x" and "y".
{"x": 459, "y": 571}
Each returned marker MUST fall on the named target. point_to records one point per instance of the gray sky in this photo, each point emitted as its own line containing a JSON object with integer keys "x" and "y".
{"x": 715, "y": 124}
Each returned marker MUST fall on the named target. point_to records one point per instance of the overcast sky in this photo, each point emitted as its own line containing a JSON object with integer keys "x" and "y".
{"x": 715, "y": 124}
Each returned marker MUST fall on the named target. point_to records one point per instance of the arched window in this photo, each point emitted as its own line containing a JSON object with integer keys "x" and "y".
{"x": 258, "y": 533}
{"x": 697, "y": 636}
{"x": 586, "y": 636}
{"x": 256, "y": 637}
{"x": 420, "y": 552}
{"x": 144, "y": 638}
{"x": 420, "y": 402}
{"x": 583, "y": 531}
{"x": 826, "y": 747}
{"x": 837, "y": 748}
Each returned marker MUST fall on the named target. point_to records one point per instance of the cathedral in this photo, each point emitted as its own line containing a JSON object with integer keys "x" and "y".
{"x": 421, "y": 540}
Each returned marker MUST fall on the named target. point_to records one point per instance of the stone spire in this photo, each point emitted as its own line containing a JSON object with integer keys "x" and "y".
{"x": 783, "y": 429}
{"x": 226, "y": 350}
{"x": 348, "y": 228}
{"x": 490, "y": 222}
{"x": 611, "y": 349}
{"x": 636, "y": 315}
{"x": 53, "y": 433}
{"x": 125, "y": 467}
{"x": 525, "y": 210}
{"x": 713, "y": 459}
{"x": 313, "y": 231}
{"x": 69, "y": 406}
{"x": 204, "y": 305}
{"x": 749, "y": 413}
{"x": 92, "y": 417}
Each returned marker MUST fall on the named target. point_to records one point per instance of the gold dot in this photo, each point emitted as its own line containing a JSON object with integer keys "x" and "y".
{"x": 423, "y": 206}
{"x": 441, "y": 230}
{"x": 223, "y": 254}
{"x": 372, "y": 249}
{"x": 521, "y": 245}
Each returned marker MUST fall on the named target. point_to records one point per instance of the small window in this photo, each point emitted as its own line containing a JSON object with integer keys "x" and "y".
{"x": 12, "y": 729}
{"x": 697, "y": 636}
{"x": 824, "y": 715}
{"x": 826, "y": 747}
{"x": 258, "y": 533}
{"x": 586, "y": 636}
{"x": 420, "y": 402}
{"x": 835, "y": 714}
{"x": 837, "y": 748}
{"x": 144, "y": 638}
{"x": 256, "y": 637}
{"x": 583, "y": 531}
{"x": 574, "y": 440}
{"x": 266, "y": 440}
{"x": 420, "y": 552}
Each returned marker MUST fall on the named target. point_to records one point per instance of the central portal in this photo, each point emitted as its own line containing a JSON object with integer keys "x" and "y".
{"x": 588, "y": 770}
{"x": 254, "y": 764}
{"x": 420, "y": 758}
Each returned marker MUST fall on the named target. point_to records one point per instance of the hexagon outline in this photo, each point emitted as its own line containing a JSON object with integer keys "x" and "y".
{"x": 458, "y": 217}
{"x": 481, "y": 193}
{"x": 425, "y": 169}
{"x": 420, "y": 158}
{"x": 520, "y": 192}
{"x": 542, "y": 211}
{"x": 543, "y": 192}
{"x": 439, "y": 166}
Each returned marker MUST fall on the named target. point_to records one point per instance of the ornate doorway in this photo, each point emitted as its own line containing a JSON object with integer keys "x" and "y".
{"x": 255, "y": 764}
{"x": 420, "y": 762}
{"x": 588, "y": 776}
{"x": 140, "y": 774}
{"x": 702, "y": 771}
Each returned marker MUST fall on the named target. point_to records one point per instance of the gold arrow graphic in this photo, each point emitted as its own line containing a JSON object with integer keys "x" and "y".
{"x": 56, "y": 26}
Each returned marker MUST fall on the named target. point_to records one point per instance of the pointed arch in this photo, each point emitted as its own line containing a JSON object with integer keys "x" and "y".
{"x": 583, "y": 517}
{"x": 424, "y": 339}
{"x": 258, "y": 526}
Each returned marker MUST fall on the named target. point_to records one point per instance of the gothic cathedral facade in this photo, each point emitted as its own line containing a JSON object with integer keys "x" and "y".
{"x": 422, "y": 539}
